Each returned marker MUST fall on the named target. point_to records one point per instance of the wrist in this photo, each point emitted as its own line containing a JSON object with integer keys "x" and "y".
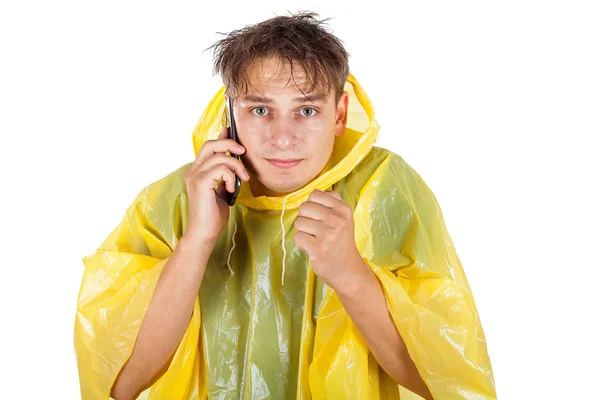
{"x": 196, "y": 244}
{"x": 353, "y": 282}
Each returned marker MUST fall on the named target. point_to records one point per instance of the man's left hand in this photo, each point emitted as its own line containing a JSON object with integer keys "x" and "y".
{"x": 325, "y": 231}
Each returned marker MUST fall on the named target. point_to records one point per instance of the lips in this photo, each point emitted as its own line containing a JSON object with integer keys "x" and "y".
{"x": 284, "y": 163}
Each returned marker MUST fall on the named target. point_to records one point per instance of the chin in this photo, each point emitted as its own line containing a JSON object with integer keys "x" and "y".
{"x": 278, "y": 186}
{"x": 280, "y": 181}
{"x": 284, "y": 186}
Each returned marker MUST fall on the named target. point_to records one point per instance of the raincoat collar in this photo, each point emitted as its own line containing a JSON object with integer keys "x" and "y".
{"x": 349, "y": 149}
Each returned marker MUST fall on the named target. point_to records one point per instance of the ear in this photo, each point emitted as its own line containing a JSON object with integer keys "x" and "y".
{"x": 341, "y": 114}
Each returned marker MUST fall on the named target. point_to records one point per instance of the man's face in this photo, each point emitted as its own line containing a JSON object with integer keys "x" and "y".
{"x": 288, "y": 138}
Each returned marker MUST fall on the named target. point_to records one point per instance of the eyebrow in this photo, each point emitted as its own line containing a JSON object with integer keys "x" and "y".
{"x": 252, "y": 98}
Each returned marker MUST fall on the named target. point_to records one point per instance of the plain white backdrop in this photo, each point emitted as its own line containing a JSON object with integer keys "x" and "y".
{"x": 496, "y": 105}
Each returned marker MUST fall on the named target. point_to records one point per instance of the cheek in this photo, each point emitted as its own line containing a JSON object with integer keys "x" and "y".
{"x": 252, "y": 156}
{"x": 320, "y": 142}
{"x": 319, "y": 124}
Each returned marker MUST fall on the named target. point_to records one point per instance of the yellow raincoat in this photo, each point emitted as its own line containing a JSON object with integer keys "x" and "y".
{"x": 252, "y": 337}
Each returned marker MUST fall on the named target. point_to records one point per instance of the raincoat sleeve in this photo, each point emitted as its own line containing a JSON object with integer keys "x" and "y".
{"x": 119, "y": 279}
{"x": 426, "y": 290}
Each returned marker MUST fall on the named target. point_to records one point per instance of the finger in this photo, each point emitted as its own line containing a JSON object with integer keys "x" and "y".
{"x": 212, "y": 147}
{"x": 224, "y": 134}
{"x": 304, "y": 241}
{"x": 222, "y": 190}
{"x": 314, "y": 211}
{"x": 334, "y": 194}
{"x": 323, "y": 198}
{"x": 233, "y": 164}
{"x": 218, "y": 174}
{"x": 307, "y": 225}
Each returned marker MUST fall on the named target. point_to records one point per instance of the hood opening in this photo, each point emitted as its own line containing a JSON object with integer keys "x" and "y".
{"x": 349, "y": 149}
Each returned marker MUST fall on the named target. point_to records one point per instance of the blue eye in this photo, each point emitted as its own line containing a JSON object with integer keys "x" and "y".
{"x": 260, "y": 111}
{"x": 308, "y": 112}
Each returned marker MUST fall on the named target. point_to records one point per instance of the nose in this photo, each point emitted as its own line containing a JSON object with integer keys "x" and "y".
{"x": 283, "y": 135}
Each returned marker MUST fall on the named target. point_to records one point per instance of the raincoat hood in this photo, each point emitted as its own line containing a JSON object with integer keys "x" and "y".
{"x": 349, "y": 149}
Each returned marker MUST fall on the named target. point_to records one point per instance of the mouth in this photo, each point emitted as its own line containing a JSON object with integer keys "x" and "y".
{"x": 284, "y": 162}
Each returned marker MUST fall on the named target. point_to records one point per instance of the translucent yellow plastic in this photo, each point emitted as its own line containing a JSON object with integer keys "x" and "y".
{"x": 250, "y": 337}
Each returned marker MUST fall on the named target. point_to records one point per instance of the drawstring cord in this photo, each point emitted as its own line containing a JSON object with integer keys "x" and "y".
{"x": 283, "y": 240}
{"x": 282, "y": 243}
{"x": 232, "y": 247}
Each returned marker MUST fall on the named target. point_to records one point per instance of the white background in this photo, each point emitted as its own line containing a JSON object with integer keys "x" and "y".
{"x": 496, "y": 105}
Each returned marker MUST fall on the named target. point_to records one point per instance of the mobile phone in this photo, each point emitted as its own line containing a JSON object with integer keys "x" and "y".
{"x": 231, "y": 197}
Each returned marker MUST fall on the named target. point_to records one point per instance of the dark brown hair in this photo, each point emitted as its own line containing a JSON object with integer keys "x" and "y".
{"x": 299, "y": 38}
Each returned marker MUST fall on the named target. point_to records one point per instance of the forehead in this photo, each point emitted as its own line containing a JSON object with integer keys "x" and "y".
{"x": 276, "y": 76}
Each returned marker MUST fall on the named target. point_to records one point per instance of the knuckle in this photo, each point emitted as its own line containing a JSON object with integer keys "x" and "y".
{"x": 347, "y": 211}
{"x": 224, "y": 170}
{"x": 206, "y": 146}
{"x": 298, "y": 241}
{"x": 188, "y": 177}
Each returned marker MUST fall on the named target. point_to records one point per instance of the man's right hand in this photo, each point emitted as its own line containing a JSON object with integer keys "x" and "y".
{"x": 170, "y": 311}
{"x": 208, "y": 210}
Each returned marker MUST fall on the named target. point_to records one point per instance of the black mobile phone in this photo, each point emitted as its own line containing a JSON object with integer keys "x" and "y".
{"x": 231, "y": 197}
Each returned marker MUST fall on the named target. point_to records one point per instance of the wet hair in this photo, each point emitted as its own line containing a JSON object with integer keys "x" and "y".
{"x": 297, "y": 40}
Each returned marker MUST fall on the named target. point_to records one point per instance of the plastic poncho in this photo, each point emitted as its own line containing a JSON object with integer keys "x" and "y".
{"x": 252, "y": 336}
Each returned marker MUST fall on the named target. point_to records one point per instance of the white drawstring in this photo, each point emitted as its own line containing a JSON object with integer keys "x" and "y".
{"x": 283, "y": 240}
{"x": 232, "y": 247}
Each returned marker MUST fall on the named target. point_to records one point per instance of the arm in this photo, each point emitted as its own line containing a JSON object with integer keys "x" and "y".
{"x": 426, "y": 291}
{"x": 166, "y": 319}
{"x": 364, "y": 301}
{"x": 325, "y": 222}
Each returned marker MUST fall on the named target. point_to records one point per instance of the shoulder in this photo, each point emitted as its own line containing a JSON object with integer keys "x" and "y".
{"x": 157, "y": 200}
{"x": 400, "y": 218}
{"x": 168, "y": 186}
{"x": 384, "y": 174}
{"x": 380, "y": 160}
{"x": 153, "y": 220}
{"x": 385, "y": 186}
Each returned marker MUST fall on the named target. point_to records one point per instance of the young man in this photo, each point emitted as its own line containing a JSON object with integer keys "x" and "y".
{"x": 332, "y": 277}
